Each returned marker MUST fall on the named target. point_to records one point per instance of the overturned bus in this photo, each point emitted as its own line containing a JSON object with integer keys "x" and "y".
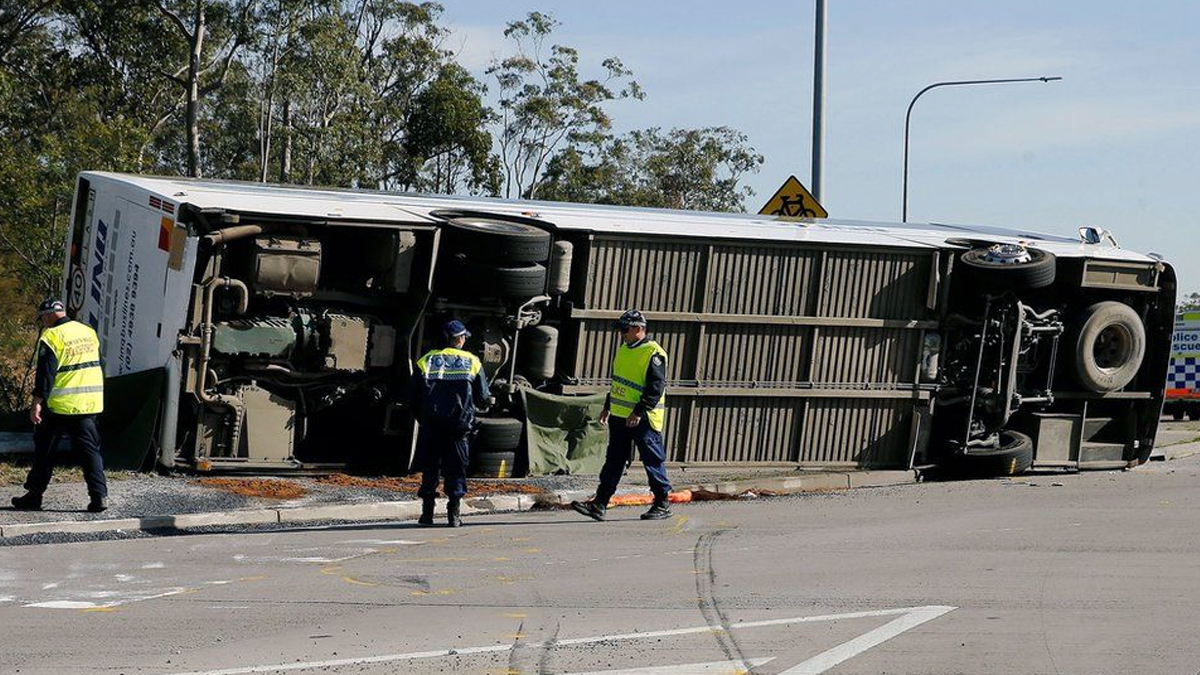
{"x": 272, "y": 328}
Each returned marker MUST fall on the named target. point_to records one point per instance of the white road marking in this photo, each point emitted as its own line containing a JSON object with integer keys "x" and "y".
{"x": 124, "y": 598}
{"x": 712, "y": 668}
{"x": 384, "y": 542}
{"x": 920, "y": 614}
{"x": 851, "y": 648}
{"x": 64, "y": 604}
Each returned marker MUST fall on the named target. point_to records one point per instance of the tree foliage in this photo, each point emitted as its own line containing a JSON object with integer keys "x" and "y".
{"x": 545, "y": 104}
{"x": 344, "y": 93}
{"x": 698, "y": 169}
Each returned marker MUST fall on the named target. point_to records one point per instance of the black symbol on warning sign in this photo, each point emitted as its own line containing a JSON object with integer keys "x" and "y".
{"x": 793, "y": 207}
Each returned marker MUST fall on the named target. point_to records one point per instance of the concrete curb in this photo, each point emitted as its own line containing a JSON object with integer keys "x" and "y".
{"x": 1181, "y": 450}
{"x": 410, "y": 510}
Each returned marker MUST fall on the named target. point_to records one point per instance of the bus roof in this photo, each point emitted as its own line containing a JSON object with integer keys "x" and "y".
{"x": 360, "y": 206}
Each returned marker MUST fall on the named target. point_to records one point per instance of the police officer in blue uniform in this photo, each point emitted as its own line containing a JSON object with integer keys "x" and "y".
{"x": 445, "y": 389}
{"x": 634, "y": 411}
{"x": 68, "y": 395}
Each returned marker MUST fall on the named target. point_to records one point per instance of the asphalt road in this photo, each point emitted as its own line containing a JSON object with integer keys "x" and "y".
{"x": 1087, "y": 573}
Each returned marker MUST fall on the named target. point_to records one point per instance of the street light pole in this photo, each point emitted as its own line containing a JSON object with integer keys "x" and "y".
{"x": 908, "y": 117}
{"x": 818, "y": 131}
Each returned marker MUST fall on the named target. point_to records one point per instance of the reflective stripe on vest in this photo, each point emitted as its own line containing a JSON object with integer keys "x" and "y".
{"x": 629, "y": 381}
{"x": 449, "y": 364}
{"x": 78, "y": 387}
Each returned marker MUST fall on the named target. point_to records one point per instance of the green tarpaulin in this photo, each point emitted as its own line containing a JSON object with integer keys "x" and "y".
{"x": 131, "y": 405}
{"x": 564, "y": 433}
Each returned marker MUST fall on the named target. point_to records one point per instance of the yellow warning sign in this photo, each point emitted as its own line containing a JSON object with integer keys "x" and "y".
{"x": 793, "y": 200}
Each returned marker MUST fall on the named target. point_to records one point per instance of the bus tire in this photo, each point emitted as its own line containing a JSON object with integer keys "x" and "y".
{"x": 492, "y": 464}
{"x": 985, "y": 275}
{"x": 498, "y": 433}
{"x": 1109, "y": 346}
{"x": 1193, "y": 414}
{"x": 479, "y": 280}
{"x": 1177, "y": 414}
{"x": 1013, "y": 455}
{"x": 491, "y": 240}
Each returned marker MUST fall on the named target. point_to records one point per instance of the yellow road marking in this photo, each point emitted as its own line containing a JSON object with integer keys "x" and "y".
{"x": 682, "y": 520}
{"x": 356, "y": 582}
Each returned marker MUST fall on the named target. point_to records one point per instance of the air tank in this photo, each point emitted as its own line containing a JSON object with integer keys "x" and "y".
{"x": 560, "y": 267}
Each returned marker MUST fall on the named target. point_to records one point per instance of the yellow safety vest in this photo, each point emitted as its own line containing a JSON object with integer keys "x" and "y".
{"x": 629, "y": 380}
{"x": 78, "y": 387}
{"x": 449, "y": 364}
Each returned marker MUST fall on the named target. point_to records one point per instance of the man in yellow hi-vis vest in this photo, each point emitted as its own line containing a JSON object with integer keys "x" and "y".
{"x": 634, "y": 412}
{"x": 68, "y": 394}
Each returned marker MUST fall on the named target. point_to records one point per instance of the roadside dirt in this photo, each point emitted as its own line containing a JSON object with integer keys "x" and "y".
{"x": 265, "y": 488}
{"x": 410, "y": 484}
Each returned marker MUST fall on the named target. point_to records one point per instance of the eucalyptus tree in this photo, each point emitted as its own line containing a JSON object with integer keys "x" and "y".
{"x": 697, "y": 169}
{"x": 546, "y": 104}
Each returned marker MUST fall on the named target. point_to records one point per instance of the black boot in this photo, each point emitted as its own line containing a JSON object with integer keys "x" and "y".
{"x": 97, "y": 504}
{"x": 426, "y": 512}
{"x": 660, "y": 510}
{"x": 452, "y": 517}
{"x": 592, "y": 508}
{"x": 27, "y": 502}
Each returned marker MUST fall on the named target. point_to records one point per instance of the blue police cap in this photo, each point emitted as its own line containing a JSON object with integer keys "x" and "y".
{"x": 629, "y": 319}
{"x": 454, "y": 328}
{"x": 51, "y": 305}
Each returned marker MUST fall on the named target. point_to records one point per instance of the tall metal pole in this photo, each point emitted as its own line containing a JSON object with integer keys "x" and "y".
{"x": 908, "y": 117}
{"x": 818, "y": 135}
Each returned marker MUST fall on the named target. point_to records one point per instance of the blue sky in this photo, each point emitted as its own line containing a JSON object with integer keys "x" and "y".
{"x": 1116, "y": 144}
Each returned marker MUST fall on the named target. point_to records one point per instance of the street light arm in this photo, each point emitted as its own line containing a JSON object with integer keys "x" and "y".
{"x": 935, "y": 85}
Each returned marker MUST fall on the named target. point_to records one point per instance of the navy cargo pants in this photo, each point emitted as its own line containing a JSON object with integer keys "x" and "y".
{"x": 85, "y": 441}
{"x": 443, "y": 451}
{"x": 650, "y": 449}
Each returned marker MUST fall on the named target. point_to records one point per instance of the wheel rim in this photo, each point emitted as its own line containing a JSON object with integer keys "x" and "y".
{"x": 495, "y": 225}
{"x": 1007, "y": 254}
{"x": 1113, "y": 347}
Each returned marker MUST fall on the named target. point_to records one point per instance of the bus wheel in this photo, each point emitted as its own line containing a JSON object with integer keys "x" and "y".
{"x": 1194, "y": 414}
{"x": 1177, "y": 415}
{"x": 500, "y": 241}
{"x": 1109, "y": 346}
{"x": 498, "y": 433}
{"x": 492, "y": 464}
{"x": 1013, "y": 454}
{"x": 478, "y": 280}
{"x": 1008, "y": 267}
